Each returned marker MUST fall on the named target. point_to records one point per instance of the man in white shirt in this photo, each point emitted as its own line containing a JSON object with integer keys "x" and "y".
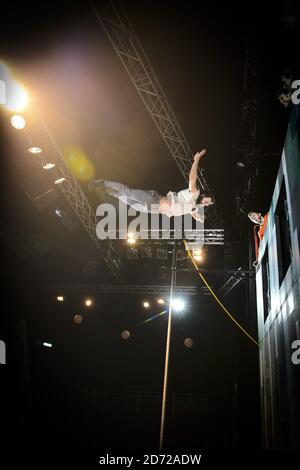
{"x": 186, "y": 201}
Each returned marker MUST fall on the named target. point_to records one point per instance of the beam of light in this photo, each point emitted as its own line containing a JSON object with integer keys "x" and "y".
{"x": 18, "y": 122}
{"x": 79, "y": 163}
{"x": 152, "y": 318}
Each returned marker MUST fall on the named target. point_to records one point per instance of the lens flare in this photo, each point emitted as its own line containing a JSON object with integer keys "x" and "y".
{"x": 79, "y": 163}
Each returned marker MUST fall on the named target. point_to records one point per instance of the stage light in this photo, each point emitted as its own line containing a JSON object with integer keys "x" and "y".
{"x": 13, "y": 95}
{"x": 35, "y": 150}
{"x": 18, "y": 122}
{"x": 130, "y": 238}
{"x": 160, "y": 301}
{"x": 47, "y": 345}
{"x": 88, "y": 302}
{"x": 49, "y": 166}
{"x": 18, "y": 99}
{"x": 59, "y": 180}
{"x": 178, "y": 305}
{"x": 197, "y": 255}
{"x": 146, "y": 304}
{"x": 60, "y": 298}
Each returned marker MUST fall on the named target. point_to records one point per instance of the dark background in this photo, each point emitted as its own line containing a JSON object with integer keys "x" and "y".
{"x": 93, "y": 389}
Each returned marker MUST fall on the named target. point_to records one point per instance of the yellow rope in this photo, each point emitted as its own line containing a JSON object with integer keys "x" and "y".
{"x": 216, "y": 298}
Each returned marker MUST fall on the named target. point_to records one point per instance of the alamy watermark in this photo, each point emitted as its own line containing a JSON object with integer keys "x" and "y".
{"x": 2, "y": 352}
{"x": 296, "y": 354}
{"x": 147, "y": 225}
{"x": 296, "y": 93}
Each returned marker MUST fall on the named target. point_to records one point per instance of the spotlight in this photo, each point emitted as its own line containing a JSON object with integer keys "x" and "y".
{"x": 197, "y": 255}
{"x": 160, "y": 301}
{"x": 18, "y": 122}
{"x": 35, "y": 150}
{"x": 146, "y": 304}
{"x": 178, "y": 305}
{"x": 59, "y": 180}
{"x": 18, "y": 100}
{"x": 47, "y": 345}
{"x": 88, "y": 302}
{"x": 130, "y": 238}
{"x": 49, "y": 166}
{"x": 60, "y": 298}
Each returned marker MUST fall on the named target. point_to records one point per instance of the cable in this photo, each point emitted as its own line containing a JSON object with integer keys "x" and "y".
{"x": 216, "y": 298}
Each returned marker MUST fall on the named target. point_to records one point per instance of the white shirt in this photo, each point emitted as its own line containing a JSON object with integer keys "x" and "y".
{"x": 182, "y": 203}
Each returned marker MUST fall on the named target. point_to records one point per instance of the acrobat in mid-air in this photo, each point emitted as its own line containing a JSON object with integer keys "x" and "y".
{"x": 187, "y": 201}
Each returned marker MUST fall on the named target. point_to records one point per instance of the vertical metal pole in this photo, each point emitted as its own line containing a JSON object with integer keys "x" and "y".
{"x": 164, "y": 397}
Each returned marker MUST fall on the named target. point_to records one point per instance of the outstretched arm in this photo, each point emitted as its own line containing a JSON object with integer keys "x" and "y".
{"x": 193, "y": 172}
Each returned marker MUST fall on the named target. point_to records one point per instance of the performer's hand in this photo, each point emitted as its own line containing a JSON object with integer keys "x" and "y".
{"x": 199, "y": 155}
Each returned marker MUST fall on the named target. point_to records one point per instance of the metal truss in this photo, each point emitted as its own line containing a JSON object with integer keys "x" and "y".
{"x": 132, "y": 55}
{"x": 118, "y": 289}
{"x": 232, "y": 282}
{"x": 81, "y": 207}
{"x": 208, "y": 236}
{"x": 159, "y": 236}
